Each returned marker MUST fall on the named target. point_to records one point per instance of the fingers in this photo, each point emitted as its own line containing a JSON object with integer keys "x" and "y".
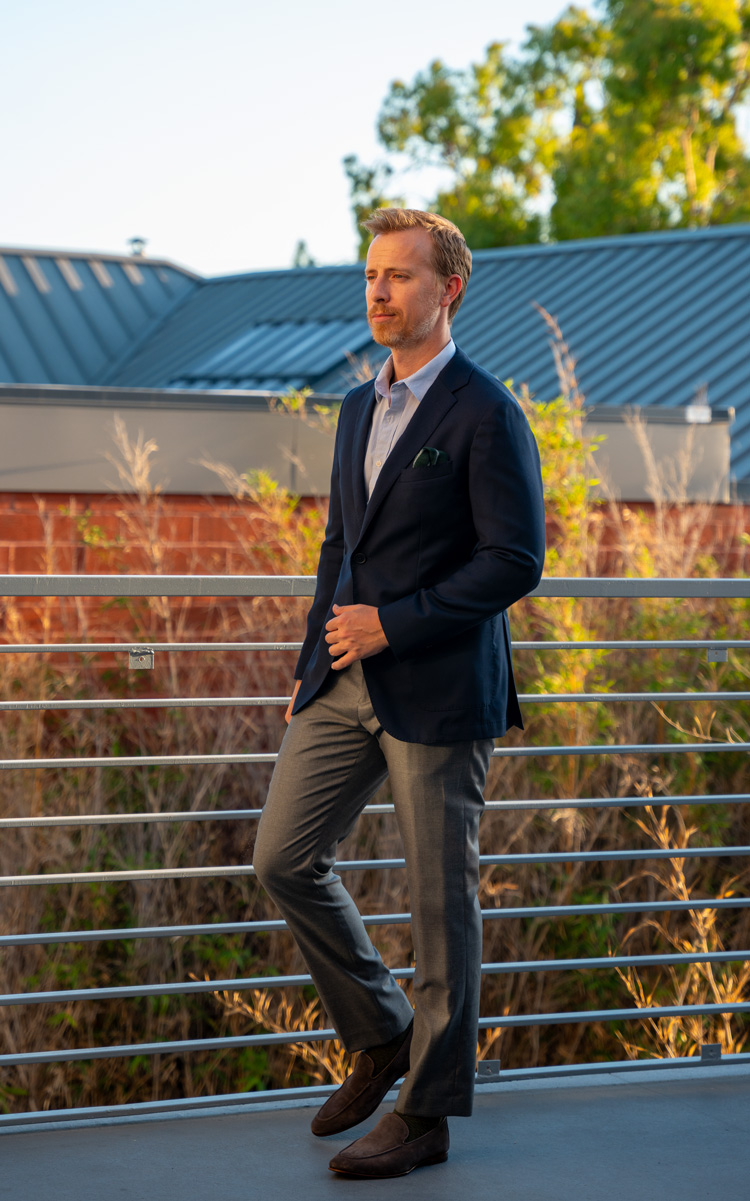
{"x": 290, "y": 706}
{"x": 345, "y": 660}
{"x": 338, "y": 648}
{"x": 341, "y": 647}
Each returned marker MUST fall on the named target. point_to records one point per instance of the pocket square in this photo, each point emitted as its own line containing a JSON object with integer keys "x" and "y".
{"x": 430, "y": 457}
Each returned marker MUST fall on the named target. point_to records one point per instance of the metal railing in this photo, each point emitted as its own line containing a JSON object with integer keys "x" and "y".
{"x": 293, "y": 586}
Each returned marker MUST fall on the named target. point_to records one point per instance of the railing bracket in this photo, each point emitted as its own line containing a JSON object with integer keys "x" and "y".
{"x": 711, "y": 1053}
{"x": 717, "y": 654}
{"x": 141, "y": 658}
{"x": 488, "y": 1069}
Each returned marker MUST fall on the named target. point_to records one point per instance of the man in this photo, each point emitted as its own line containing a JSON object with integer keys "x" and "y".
{"x": 436, "y": 527}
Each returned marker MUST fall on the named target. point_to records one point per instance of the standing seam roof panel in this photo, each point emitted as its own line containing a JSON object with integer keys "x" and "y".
{"x": 61, "y": 326}
{"x": 74, "y": 328}
{"x": 684, "y": 327}
{"x": 42, "y": 330}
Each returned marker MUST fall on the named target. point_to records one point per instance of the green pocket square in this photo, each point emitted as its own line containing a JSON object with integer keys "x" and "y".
{"x": 430, "y": 457}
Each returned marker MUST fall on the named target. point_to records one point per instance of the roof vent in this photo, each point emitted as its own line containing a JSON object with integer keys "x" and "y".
{"x": 137, "y": 246}
{"x": 699, "y": 412}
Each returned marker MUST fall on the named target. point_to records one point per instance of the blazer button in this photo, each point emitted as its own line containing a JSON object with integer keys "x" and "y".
{"x": 359, "y": 557}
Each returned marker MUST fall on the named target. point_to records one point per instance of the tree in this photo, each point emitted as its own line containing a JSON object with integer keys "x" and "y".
{"x": 663, "y": 150}
{"x": 602, "y": 124}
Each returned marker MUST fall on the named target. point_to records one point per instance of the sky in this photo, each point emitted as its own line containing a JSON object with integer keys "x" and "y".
{"x": 214, "y": 130}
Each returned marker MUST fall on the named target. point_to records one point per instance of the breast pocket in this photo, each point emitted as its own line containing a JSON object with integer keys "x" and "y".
{"x": 440, "y": 473}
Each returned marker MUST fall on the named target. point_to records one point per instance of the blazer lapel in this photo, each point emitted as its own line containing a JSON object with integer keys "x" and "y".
{"x": 359, "y": 448}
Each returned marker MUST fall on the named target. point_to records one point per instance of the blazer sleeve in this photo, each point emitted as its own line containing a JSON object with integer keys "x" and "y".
{"x": 506, "y": 496}
{"x": 329, "y": 567}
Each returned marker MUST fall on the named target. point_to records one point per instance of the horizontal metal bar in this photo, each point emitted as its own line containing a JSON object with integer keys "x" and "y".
{"x": 629, "y": 802}
{"x": 611, "y": 1015}
{"x": 79, "y": 648}
{"x": 157, "y": 873}
{"x": 125, "y": 819}
{"x": 636, "y": 644}
{"x": 168, "y": 1048}
{"x": 643, "y": 588}
{"x": 546, "y": 698}
{"x": 530, "y": 912}
{"x": 97, "y": 1115}
{"x": 289, "y": 585}
{"x": 149, "y": 702}
{"x": 613, "y": 961}
{"x": 60, "y": 648}
{"x": 506, "y": 752}
{"x": 134, "y": 761}
{"x": 185, "y": 1046}
{"x": 186, "y": 988}
{"x": 262, "y": 983}
{"x": 351, "y": 865}
{"x": 517, "y": 912}
{"x": 157, "y": 585}
{"x": 228, "y": 702}
{"x": 203, "y": 815}
{"x": 666, "y": 589}
{"x": 603, "y": 856}
{"x": 637, "y": 748}
{"x": 128, "y": 933}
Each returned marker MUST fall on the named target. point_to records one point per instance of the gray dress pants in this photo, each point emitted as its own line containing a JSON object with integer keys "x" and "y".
{"x": 333, "y": 758}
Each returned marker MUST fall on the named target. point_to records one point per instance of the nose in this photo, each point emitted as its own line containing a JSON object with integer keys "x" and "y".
{"x": 377, "y": 289}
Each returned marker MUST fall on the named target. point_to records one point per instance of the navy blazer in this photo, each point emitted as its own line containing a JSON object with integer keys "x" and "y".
{"x": 442, "y": 552}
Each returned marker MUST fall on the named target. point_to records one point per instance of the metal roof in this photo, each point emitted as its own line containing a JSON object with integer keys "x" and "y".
{"x": 269, "y": 330}
{"x": 68, "y": 318}
{"x": 650, "y": 319}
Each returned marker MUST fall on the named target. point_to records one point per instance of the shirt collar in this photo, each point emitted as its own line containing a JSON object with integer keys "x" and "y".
{"x": 420, "y": 381}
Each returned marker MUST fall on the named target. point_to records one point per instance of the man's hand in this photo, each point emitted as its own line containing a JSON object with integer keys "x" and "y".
{"x": 354, "y": 632}
{"x": 290, "y": 706}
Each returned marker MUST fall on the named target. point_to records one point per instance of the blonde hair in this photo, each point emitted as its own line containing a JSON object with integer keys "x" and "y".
{"x": 450, "y": 254}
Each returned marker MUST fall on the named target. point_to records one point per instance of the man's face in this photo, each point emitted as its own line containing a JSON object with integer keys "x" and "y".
{"x": 403, "y": 292}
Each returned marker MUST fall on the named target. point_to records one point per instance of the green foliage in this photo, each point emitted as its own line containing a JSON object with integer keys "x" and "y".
{"x": 600, "y": 125}
{"x": 89, "y": 532}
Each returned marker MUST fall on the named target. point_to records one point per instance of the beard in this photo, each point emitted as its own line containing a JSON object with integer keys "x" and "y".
{"x": 401, "y": 335}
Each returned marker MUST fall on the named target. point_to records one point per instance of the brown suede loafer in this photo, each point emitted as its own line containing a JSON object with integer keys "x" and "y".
{"x": 361, "y": 1092}
{"x": 385, "y": 1151}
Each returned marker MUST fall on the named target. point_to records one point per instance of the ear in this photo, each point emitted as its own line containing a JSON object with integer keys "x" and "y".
{"x": 451, "y": 290}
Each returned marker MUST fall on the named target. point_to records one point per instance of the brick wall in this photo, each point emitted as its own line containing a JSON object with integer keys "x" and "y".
{"x": 105, "y": 534}
{"x": 100, "y": 533}
{"x": 186, "y": 535}
{"x": 719, "y": 530}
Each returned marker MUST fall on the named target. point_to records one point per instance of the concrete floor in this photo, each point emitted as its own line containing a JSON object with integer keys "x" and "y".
{"x": 665, "y": 1136}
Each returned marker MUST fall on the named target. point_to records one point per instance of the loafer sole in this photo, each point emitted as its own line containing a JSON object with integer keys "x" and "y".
{"x": 423, "y": 1163}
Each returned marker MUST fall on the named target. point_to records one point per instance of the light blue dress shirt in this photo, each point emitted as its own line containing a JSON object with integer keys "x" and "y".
{"x": 395, "y": 405}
